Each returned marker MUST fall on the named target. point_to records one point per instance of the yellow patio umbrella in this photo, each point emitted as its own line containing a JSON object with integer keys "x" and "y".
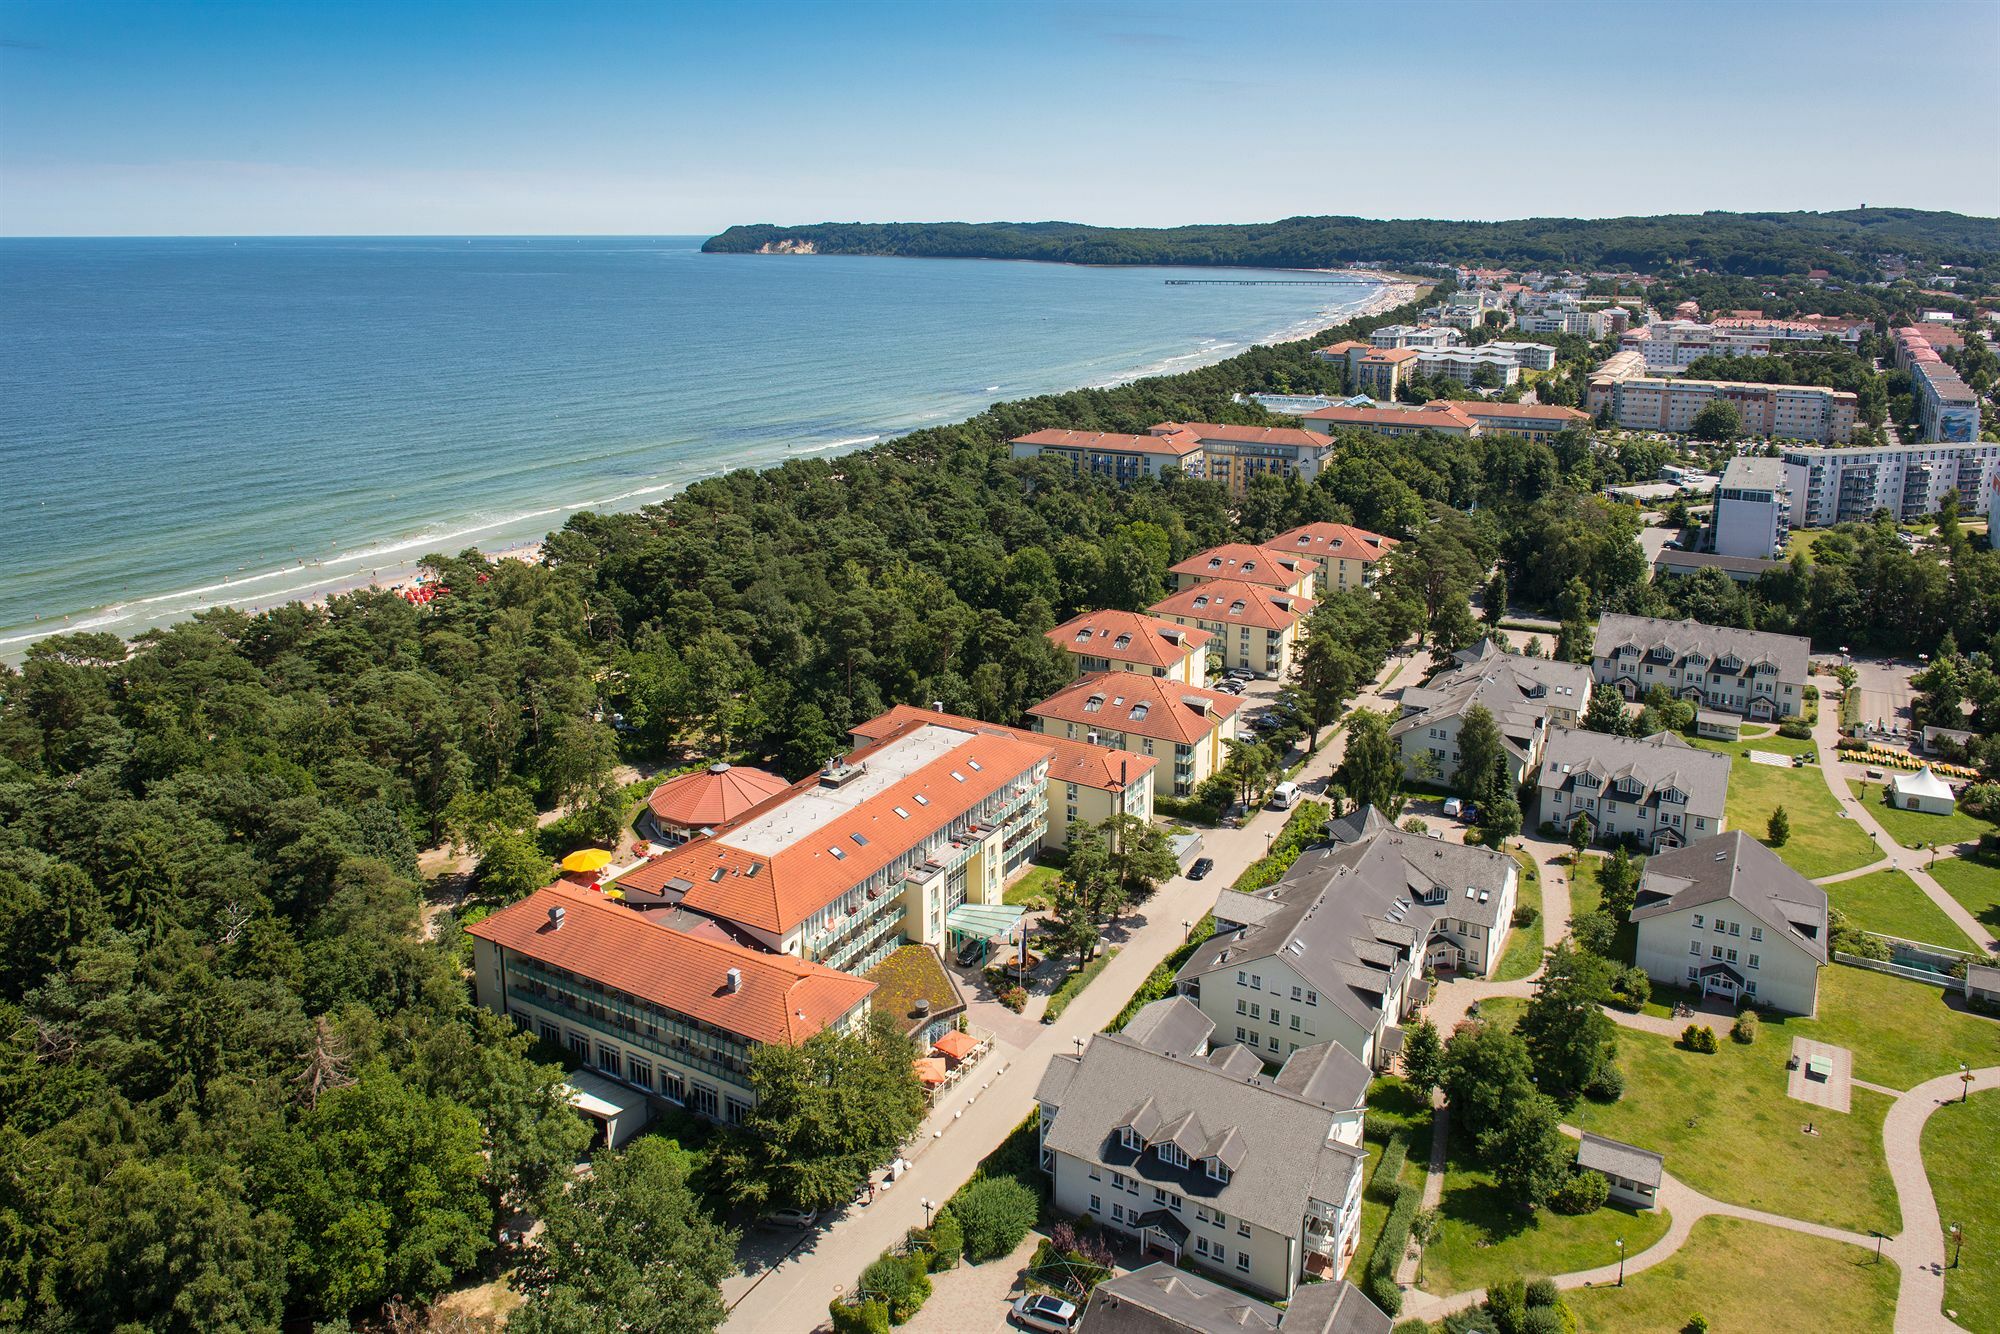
{"x": 586, "y": 860}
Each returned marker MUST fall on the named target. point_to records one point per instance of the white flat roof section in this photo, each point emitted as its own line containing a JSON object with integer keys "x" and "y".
{"x": 816, "y": 807}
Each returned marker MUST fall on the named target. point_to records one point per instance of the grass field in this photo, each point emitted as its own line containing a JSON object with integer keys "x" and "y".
{"x": 1390, "y": 1098}
{"x": 1485, "y": 1238}
{"x": 1823, "y": 841}
{"x": 1973, "y": 878}
{"x": 1890, "y": 904}
{"x": 1913, "y": 829}
{"x": 1746, "y": 1276}
{"x": 1961, "y": 1143}
{"x": 1901, "y": 1033}
{"x": 1768, "y": 741}
{"x": 1524, "y": 946}
{"x": 1585, "y": 894}
{"x": 1034, "y": 887}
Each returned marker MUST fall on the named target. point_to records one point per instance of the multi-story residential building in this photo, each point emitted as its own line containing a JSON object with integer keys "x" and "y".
{"x": 1725, "y": 917}
{"x": 675, "y": 1013}
{"x": 1526, "y": 696}
{"x": 1348, "y": 557}
{"x": 1247, "y": 564}
{"x": 1658, "y": 790}
{"x": 1604, "y": 381}
{"x": 1754, "y": 673}
{"x": 1830, "y": 486}
{"x": 1336, "y": 950}
{"x": 1670, "y": 346}
{"x": 1128, "y": 641}
{"x": 1381, "y": 371}
{"x": 1947, "y": 409}
{"x": 1123, "y": 458}
{"x": 873, "y": 851}
{"x": 1415, "y": 335}
{"x": 1535, "y": 421}
{"x": 1203, "y": 1157}
{"x": 1233, "y": 455}
{"x": 1467, "y": 365}
{"x": 1147, "y": 715}
{"x": 1255, "y": 627}
{"x": 1528, "y": 356}
{"x": 1086, "y": 784}
{"x": 1544, "y": 321}
{"x": 1802, "y": 329}
{"x": 1753, "y": 508}
{"x": 1787, "y": 411}
{"x": 1160, "y": 1299}
{"x": 1443, "y": 418}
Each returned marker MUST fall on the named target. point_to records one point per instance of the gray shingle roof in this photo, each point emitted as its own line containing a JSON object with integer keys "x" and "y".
{"x": 1788, "y": 653}
{"x": 1620, "y": 1160}
{"x": 1517, "y": 691}
{"x": 1281, "y": 1137}
{"x": 1656, "y": 763}
{"x": 1670, "y": 561}
{"x": 1175, "y": 1025}
{"x": 1160, "y": 1299}
{"x": 1344, "y": 909}
{"x": 1736, "y": 868}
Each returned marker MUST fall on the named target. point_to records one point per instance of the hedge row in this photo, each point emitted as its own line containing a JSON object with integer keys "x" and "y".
{"x": 1306, "y": 826}
{"x": 1387, "y": 1181}
{"x": 1389, "y": 1247}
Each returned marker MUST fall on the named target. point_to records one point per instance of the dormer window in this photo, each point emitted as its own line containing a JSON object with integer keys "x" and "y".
{"x": 1236, "y": 607}
{"x": 1675, "y": 795}
{"x": 1123, "y": 641}
{"x": 1217, "y": 1169}
{"x": 1093, "y": 704}
{"x": 1130, "y": 1139}
{"x": 1171, "y": 1153}
{"x": 1201, "y": 600}
{"x": 1139, "y": 712}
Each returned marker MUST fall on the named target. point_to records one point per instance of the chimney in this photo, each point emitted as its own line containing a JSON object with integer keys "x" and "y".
{"x": 937, "y": 706}
{"x": 556, "y": 915}
{"x": 733, "y": 980}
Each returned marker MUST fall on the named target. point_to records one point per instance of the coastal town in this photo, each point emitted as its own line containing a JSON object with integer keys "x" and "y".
{"x": 1342, "y": 941}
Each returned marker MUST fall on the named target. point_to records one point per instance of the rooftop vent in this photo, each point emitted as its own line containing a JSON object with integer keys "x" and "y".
{"x": 719, "y": 767}
{"x": 732, "y": 981}
{"x": 837, "y": 774}
{"x": 556, "y": 915}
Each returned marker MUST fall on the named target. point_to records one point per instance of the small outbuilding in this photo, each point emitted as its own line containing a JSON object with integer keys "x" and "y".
{"x": 686, "y": 804}
{"x": 1633, "y": 1173}
{"x": 1717, "y": 725}
{"x": 1982, "y": 984}
{"x": 616, "y": 1110}
{"x": 1921, "y": 791}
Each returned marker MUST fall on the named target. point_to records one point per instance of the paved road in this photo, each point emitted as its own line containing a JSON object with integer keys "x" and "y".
{"x": 792, "y": 1292}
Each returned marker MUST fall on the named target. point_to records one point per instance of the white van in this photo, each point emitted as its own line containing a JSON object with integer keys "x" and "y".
{"x": 1283, "y": 797}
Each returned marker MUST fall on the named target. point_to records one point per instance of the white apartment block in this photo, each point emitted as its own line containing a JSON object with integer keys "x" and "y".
{"x": 1784, "y": 411}
{"x": 1658, "y": 790}
{"x": 1830, "y": 486}
{"x": 1415, "y": 335}
{"x": 1464, "y": 365}
{"x": 1725, "y": 917}
{"x": 1753, "y": 508}
{"x": 1528, "y": 356}
{"x": 1760, "y": 675}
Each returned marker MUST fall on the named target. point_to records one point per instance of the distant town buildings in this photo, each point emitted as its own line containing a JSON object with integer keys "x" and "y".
{"x": 1123, "y": 458}
{"x": 1421, "y": 337}
{"x": 1947, "y": 409}
{"x": 1788, "y": 411}
{"x": 1535, "y": 421}
{"x": 1754, "y": 673}
{"x": 1486, "y": 366}
{"x": 1830, "y": 486}
{"x": 1235, "y": 455}
{"x": 1753, "y": 508}
{"x": 1441, "y": 416}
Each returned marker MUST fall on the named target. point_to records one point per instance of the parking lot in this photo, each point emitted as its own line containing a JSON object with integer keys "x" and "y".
{"x": 1884, "y": 688}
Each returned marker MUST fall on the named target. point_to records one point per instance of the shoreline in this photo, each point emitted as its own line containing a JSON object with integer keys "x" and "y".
{"x": 397, "y": 571}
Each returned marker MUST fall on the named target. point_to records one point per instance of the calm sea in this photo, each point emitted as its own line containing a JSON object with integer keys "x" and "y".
{"x": 191, "y": 422}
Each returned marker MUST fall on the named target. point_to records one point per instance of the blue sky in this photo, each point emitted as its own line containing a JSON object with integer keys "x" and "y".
{"x": 575, "y": 117}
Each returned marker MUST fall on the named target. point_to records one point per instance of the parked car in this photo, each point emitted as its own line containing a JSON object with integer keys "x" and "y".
{"x": 971, "y": 952}
{"x": 1453, "y": 806}
{"x": 1231, "y": 687}
{"x": 799, "y": 1218}
{"x": 1041, "y": 1311}
{"x": 1283, "y": 797}
{"x": 1239, "y": 674}
{"x": 1202, "y": 866}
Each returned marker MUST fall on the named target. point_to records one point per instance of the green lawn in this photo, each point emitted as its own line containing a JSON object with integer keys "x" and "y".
{"x": 1505, "y": 1011}
{"x": 1901, "y": 1033}
{"x": 1769, "y": 741}
{"x": 1973, "y": 878}
{"x": 1389, "y": 1098}
{"x": 1913, "y": 829}
{"x": 1032, "y": 890}
{"x": 1890, "y": 904}
{"x": 1745, "y": 1276}
{"x": 1485, "y": 1238}
{"x": 1524, "y": 946}
{"x": 1960, "y": 1145}
{"x": 1585, "y": 894}
{"x": 1727, "y": 1129}
{"x": 1823, "y": 841}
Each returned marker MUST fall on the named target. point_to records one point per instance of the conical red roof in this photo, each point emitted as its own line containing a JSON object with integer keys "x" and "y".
{"x": 708, "y": 797}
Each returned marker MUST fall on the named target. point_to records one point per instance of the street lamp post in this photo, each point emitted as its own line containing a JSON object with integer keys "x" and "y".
{"x": 1621, "y": 1262}
{"x": 1957, "y": 1243}
{"x": 928, "y": 1206}
{"x": 1964, "y": 1081}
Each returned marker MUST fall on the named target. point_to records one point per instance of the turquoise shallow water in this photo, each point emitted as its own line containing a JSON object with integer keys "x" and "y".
{"x": 188, "y": 422}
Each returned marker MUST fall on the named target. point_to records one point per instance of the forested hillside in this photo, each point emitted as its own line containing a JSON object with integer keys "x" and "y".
{"x": 1734, "y": 243}
{"x": 239, "y": 1079}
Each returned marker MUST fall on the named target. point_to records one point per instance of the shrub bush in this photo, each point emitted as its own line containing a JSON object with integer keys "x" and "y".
{"x": 1382, "y": 1290}
{"x": 1389, "y": 1169}
{"x": 862, "y": 1318}
{"x": 1394, "y": 1240}
{"x": 1981, "y": 801}
{"x": 1525, "y": 916}
{"x": 1542, "y": 1292}
{"x": 1699, "y": 1037}
{"x": 947, "y": 1241}
{"x": 903, "y": 1281}
{"x": 1795, "y": 730}
{"x": 1744, "y": 1030}
{"x": 1584, "y": 1193}
{"x": 1608, "y": 1085}
{"x": 1631, "y": 989}
{"x": 995, "y": 1213}
{"x": 1014, "y": 998}
{"x": 1412, "y": 1326}
{"x": 1545, "y": 1320}
{"x": 1697, "y": 1324}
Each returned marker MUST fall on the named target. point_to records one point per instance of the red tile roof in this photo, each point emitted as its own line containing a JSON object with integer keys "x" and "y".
{"x": 778, "y": 892}
{"x": 1253, "y": 435}
{"x": 1233, "y": 602}
{"x": 1168, "y": 715}
{"x": 1333, "y": 541}
{"x": 1390, "y": 354}
{"x": 1146, "y": 639}
{"x": 777, "y": 999}
{"x": 1342, "y": 348}
{"x": 1175, "y": 443}
{"x": 1250, "y": 564}
{"x": 713, "y": 795}
{"x": 1103, "y": 767}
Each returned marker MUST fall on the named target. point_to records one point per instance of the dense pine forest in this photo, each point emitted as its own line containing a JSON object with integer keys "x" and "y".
{"x": 240, "y": 1075}
{"x": 1729, "y": 243}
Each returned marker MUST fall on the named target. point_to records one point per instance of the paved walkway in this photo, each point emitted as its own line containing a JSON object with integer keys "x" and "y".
{"x": 1920, "y": 1247}
{"x": 792, "y": 1292}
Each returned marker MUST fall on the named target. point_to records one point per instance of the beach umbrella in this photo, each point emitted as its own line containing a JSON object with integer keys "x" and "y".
{"x": 587, "y": 860}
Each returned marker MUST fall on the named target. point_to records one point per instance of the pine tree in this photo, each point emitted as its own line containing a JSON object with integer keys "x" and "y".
{"x": 1779, "y": 829}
